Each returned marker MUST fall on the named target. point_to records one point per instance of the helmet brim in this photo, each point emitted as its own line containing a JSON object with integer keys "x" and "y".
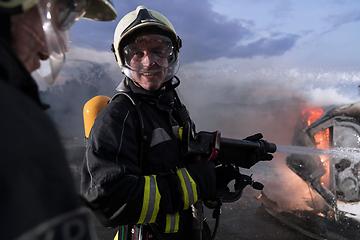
{"x": 100, "y": 10}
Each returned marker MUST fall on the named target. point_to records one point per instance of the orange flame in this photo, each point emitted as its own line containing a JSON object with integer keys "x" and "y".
{"x": 322, "y": 140}
{"x": 312, "y": 114}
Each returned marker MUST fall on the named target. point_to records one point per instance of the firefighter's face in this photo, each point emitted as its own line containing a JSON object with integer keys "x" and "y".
{"x": 148, "y": 57}
{"x": 43, "y": 32}
{"x": 28, "y": 39}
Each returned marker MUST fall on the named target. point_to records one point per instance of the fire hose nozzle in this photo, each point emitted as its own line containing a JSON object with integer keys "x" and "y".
{"x": 270, "y": 147}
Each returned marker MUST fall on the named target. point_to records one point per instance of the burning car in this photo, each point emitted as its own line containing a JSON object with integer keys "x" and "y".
{"x": 333, "y": 208}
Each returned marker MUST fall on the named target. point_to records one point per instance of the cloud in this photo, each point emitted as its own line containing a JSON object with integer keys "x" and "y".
{"x": 206, "y": 34}
{"x": 282, "y": 9}
{"x": 265, "y": 47}
{"x": 339, "y": 20}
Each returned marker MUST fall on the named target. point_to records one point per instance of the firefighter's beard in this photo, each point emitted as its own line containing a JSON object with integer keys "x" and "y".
{"x": 151, "y": 81}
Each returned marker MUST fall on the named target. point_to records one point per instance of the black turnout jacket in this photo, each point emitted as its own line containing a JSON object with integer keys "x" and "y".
{"x": 38, "y": 198}
{"x": 133, "y": 172}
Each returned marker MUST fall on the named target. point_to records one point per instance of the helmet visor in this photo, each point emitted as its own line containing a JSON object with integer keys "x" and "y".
{"x": 70, "y": 11}
{"x": 57, "y": 18}
{"x": 149, "y": 53}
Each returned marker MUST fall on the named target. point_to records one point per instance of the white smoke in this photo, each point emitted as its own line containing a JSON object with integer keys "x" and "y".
{"x": 323, "y": 97}
{"x": 248, "y": 92}
{"x": 241, "y": 98}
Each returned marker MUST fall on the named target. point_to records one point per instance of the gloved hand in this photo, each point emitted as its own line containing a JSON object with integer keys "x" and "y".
{"x": 205, "y": 177}
{"x": 225, "y": 173}
{"x": 246, "y": 158}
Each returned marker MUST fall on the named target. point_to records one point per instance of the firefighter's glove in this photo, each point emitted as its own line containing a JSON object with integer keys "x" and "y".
{"x": 225, "y": 173}
{"x": 205, "y": 177}
{"x": 246, "y": 157}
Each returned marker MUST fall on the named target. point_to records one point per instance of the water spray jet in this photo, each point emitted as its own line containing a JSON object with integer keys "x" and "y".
{"x": 336, "y": 152}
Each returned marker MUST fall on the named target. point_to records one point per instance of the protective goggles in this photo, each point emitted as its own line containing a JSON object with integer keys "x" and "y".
{"x": 57, "y": 18}
{"x": 148, "y": 50}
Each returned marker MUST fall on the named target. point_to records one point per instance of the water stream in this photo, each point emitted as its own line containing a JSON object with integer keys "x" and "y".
{"x": 342, "y": 152}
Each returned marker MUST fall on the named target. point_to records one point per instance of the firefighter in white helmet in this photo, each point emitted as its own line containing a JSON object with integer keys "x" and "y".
{"x": 138, "y": 30}
{"x": 134, "y": 174}
{"x": 38, "y": 199}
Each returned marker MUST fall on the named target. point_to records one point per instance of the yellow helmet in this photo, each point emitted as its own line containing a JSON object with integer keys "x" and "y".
{"x": 143, "y": 19}
{"x": 99, "y": 10}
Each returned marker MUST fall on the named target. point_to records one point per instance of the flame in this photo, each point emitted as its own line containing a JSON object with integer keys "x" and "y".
{"x": 312, "y": 114}
{"x": 322, "y": 141}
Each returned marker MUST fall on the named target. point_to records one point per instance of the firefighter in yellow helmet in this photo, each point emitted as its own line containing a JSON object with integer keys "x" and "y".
{"x": 38, "y": 199}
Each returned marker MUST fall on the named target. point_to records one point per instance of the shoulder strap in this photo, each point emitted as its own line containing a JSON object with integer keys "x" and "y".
{"x": 136, "y": 102}
{"x": 181, "y": 114}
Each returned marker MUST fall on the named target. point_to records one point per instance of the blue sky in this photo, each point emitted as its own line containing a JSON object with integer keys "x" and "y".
{"x": 318, "y": 36}
{"x": 246, "y": 51}
{"x": 321, "y": 32}
{"x": 326, "y": 29}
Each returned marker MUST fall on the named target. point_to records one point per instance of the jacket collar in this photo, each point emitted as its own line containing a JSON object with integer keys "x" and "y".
{"x": 161, "y": 98}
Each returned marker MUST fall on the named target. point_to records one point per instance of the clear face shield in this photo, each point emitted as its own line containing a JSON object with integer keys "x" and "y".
{"x": 150, "y": 54}
{"x": 57, "y": 17}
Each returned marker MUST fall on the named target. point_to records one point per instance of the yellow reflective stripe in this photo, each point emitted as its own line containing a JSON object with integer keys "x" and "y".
{"x": 116, "y": 236}
{"x": 172, "y": 223}
{"x": 188, "y": 186}
{"x": 180, "y": 133}
{"x": 151, "y": 201}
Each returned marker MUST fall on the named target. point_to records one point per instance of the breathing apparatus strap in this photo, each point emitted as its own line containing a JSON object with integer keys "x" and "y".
{"x": 181, "y": 113}
{"x": 135, "y": 101}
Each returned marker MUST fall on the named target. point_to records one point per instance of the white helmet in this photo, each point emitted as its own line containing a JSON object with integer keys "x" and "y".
{"x": 58, "y": 37}
{"x": 140, "y": 21}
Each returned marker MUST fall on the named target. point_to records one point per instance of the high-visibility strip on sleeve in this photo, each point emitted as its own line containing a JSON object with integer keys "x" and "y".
{"x": 151, "y": 201}
{"x": 188, "y": 186}
{"x": 172, "y": 223}
{"x": 116, "y": 236}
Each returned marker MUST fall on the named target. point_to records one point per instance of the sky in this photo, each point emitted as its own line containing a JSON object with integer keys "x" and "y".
{"x": 312, "y": 40}
{"x": 245, "y": 52}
